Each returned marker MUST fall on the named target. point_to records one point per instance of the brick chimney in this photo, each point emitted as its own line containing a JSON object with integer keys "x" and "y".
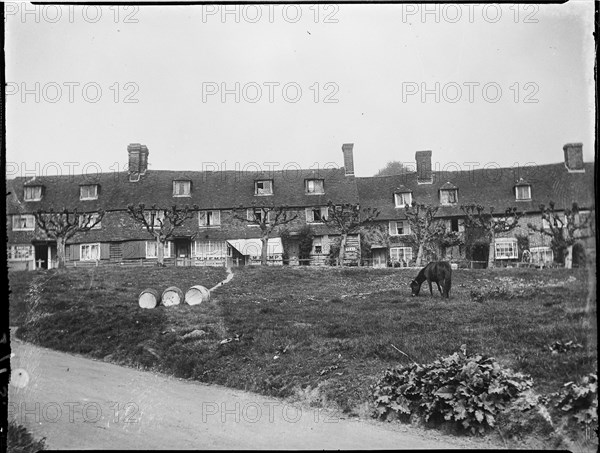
{"x": 423, "y": 159}
{"x": 138, "y": 158}
{"x": 144, "y": 159}
{"x": 348, "y": 158}
{"x": 574, "y": 156}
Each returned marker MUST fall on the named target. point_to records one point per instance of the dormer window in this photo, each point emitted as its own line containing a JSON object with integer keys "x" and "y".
{"x": 314, "y": 186}
{"x": 33, "y": 193}
{"x": 182, "y": 188}
{"x": 88, "y": 192}
{"x": 263, "y": 187}
{"x": 403, "y": 199}
{"x": 522, "y": 190}
{"x": 448, "y": 194}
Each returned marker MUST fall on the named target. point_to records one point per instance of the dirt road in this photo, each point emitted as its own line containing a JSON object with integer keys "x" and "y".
{"x": 80, "y": 403}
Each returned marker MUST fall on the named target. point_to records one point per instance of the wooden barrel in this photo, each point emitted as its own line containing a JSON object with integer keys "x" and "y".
{"x": 172, "y": 296}
{"x": 149, "y": 298}
{"x": 196, "y": 295}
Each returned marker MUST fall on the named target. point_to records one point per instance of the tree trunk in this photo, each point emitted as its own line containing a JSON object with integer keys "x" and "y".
{"x": 342, "y": 253}
{"x": 160, "y": 251}
{"x": 60, "y": 251}
{"x": 419, "y": 260}
{"x": 491, "y": 250}
{"x": 263, "y": 254}
{"x": 569, "y": 257}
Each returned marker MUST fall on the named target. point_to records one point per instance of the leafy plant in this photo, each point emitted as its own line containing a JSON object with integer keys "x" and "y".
{"x": 20, "y": 440}
{"x": 467, "y": 389}
{"x": 581, "y": 400}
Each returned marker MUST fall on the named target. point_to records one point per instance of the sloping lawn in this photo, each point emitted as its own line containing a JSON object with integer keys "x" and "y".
{"x": 322, "y": 335}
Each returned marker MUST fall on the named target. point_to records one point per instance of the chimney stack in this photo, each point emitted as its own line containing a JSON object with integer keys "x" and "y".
{"x": 348, "y": 158}
{"x": 138, "y": 158}
{"x": 423, "y": 159}
{"x": 574, "y": 156}
{"x": 144, "y": 159}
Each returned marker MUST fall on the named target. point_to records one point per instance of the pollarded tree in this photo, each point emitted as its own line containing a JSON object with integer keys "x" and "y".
{"x": 64, "y": 224}
{"x": 268, "y": 218}
{"x": 425, "y": 228}
{"x": 348, "y": 218}
{"x": 564, "y": 230}
{"x": 162, "y": 223}
{"x": 491, "y": 224}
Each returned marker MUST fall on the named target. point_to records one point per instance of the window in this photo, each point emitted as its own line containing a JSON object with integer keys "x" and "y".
{"x": 506, "y": 249}
{"x": 89, "y": 252}
{"x": 89, "y": 192}
{"x": 209, "y": 218}
{"x": 403, "y": 199}
{"x": 399, "y": 227}
{"x": 545, "y": 224}
{"x": 263, "y": 187}
{"x": 401, "y": 255}
{"x": 208, "y": 250}
{"x": 541, "y": 255}
{"x": 257, "y": 214}
{"x": 155, "y": 217}
{"x": 454, "y": 225}
{"x": 23, "y": 222}
{"x": 33, "y": 193}
{"x": 316, "y": 215}
{"x": 318, "y": 245}
{"x": 182, "y": 188}
{"x": 152, "y": 251}
{"x": 20, "y": 252}
{"x": 84, "y": 220}
{"x": 314, "y": 187}
{"x": 449, "y": 196}
{"x": 523, "y": 192}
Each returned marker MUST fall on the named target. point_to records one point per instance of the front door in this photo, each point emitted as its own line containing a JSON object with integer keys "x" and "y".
{"x": 182, "y": 248}
{"x": 41, "y": 256}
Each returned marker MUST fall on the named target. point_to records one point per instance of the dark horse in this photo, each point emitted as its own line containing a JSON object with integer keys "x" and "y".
{"x": 439, "y": 272}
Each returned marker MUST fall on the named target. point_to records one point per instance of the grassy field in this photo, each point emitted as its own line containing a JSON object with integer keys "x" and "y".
{"x": 317, "y": 335}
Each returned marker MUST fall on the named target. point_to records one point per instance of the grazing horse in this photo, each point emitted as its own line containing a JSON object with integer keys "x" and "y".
{"x": 438, "y": 272}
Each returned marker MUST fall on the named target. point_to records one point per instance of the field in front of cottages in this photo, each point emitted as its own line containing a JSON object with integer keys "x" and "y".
{"x": 317, "y": 335}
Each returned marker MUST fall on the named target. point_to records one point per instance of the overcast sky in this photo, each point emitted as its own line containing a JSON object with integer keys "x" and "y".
{"x": 509, "y": 84}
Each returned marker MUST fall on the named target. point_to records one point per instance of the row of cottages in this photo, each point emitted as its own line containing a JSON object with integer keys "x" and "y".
{"x": 215, "y": 236}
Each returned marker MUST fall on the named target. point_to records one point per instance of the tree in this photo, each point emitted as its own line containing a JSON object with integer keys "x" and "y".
{"x": 393, "y": 167}
{"x": 348, "y": 218}
{"x": 162, "y": 223}
{"x": 564, "y": 231}
{"x": 490, "y": 224}
{"x": 425, "y": 229}
{"x": 63, "y": 225}
{"x": 268, "y": 218}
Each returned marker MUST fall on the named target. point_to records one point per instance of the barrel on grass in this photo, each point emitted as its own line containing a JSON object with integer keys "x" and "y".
{"x": 149, "y": 298}
{"x": 172, "y": 296}
{"x": 197, "y": 294}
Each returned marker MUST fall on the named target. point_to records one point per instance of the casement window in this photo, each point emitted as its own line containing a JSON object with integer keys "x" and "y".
{"x": 314, "y": 186}
{"x": 318, "y": 245}
{"x": 541, "y": 255}
{"x": 89, "y": 220}
{"x": 207, "y": 250}
{"x": 316, "y": 215}
{"x": 545, "y": 224}
{"x": 33, "y": 193}
{"x": 401, "y": 254}
{"x": 403, "y": 199}
{"x": 209, "y": 218}
{"x": 25, "y": 222}
{"x": 152, "y": 249}
{"x": 523, "y": 192}
{"x": 399, "y": 228}
{"x": 257, "y": 215}
{"x": 88, "y": 192}
{"x": 182, "y": 188}
{"x": 506, "y": 249}
{"x": 155, "y": 218}
{"x": 89, "y": 252}
{"x": 449, "y": 196}
{"x": 20, "y": 252}
{"x": 263, "y": 187}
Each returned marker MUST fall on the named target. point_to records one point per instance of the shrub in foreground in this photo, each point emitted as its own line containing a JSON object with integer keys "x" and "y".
{"x": 581, "y": 400}
{"x": 467, "y": 389}
{"x": 19, "y": 440}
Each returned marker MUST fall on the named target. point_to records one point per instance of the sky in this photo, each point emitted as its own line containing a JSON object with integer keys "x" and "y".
{"x": 238, "y": 87}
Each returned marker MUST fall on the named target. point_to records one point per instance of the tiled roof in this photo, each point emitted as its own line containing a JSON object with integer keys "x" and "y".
{"x": 493, "y": 187}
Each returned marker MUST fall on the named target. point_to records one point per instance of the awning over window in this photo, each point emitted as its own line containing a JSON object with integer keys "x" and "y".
{"x": 253, "y": 247}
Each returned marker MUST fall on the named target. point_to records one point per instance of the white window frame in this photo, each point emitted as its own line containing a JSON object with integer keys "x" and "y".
{"x": 203, "y": 218}
{"x": 502, "y": 246}
{"x": 403, "y": 254}
{"x": 444, "y": 197}
{"x": 167, "y": 250}
{"x": 317, "y": 242}
{"x": 29, "y": 219}
{"x": 311, "y": 186}
{"x": 264, "y": 191}
{"x": 93, "y": 218}
{"x": 215, "y": 250}
{"x": 393, "y": 227}
{"x": 182, "y": 183}
{"x": 527, "y": 198}
{"x": 310, "y": 214}
{"x": 14, "y": 253}
{"x": 543, "y": 255}
{"x": 159, "y": 217}
{"x": 29, "y": 196}
{"x": 399, "y": 197}
{"x": 90, "y": 245}
{"x": 250, "y": 215}
{"x": 88, "y": 197}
